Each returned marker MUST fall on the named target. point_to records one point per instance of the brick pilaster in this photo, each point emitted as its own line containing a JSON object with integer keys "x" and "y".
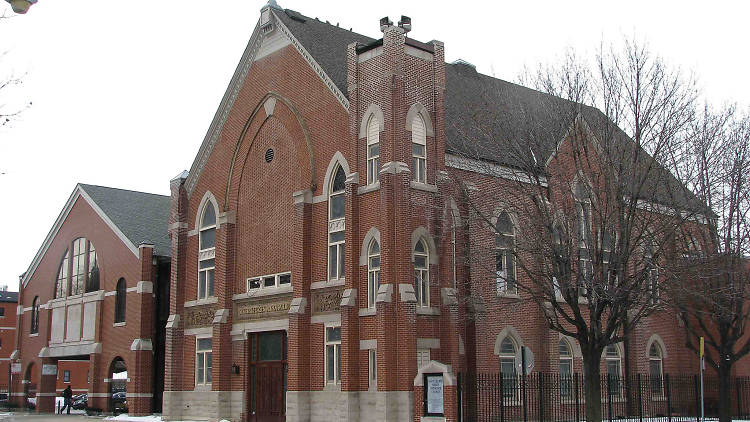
{"x": 298, "y": 356}
{"x": 350, "y": 311}
{"x": 223, "y": 289}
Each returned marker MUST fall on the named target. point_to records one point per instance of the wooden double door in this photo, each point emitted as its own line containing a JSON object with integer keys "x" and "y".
{"x": 267, "y": 376}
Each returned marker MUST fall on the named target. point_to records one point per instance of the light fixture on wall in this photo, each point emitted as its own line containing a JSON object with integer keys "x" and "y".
{"x": 21, "y": 6}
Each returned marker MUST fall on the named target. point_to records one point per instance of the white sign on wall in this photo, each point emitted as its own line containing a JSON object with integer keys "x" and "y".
{"x": 49, "y": 369}
{"x": 434, "y": 391}
{"x": 15, "y": 368}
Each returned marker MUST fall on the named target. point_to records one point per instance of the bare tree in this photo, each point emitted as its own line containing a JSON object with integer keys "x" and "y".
{"x": 8, "y": 80}
{"x": 712, "y": 280}
{"x": 581, "y": 208}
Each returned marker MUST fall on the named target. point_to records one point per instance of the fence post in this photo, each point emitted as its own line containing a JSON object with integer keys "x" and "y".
{"x": 525, "y": 404}
{"x": 540, "y": 381}
{"x": 575, "y": 393}
{"x": 502, "y": 397}
{"x": 697, "y": 399}
{"x": 669, "y": 399}
{"x": 640, "y": 400}
{"x": 737, "y": 387}
{"x": 609, "y": 396}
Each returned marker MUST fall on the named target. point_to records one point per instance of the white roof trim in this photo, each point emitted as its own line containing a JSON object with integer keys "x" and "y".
{"x": 77, "y": 192}
{"x": 233, "y": 90}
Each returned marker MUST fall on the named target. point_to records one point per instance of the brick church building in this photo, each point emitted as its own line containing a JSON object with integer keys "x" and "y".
{"x": 308, "y": 282}
{"x": 302, "y": 263}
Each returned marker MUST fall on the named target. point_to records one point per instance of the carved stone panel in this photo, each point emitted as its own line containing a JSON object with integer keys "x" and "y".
{"x": 327, "y": 301}
{"x": 199, "y": 316}
{"x": 250, "y": 310}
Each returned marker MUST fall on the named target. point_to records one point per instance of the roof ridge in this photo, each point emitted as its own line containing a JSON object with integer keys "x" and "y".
{"x": 84, "y": 185}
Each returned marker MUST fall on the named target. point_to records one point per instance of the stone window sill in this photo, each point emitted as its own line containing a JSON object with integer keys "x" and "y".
{"x": 504, "y": 295}
{"x": 367, "y": 311}
{"x": 207, "y": 301}
{"x": 325, "y": 284}
{"x": 267, "y": 291}
{"x": 118, "y": 324}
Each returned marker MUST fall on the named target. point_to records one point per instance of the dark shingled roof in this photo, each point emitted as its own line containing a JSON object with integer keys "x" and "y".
{"x": 6, "y": 296}
{"x": 508, "y": 110}
{"x": 142, "y": 217}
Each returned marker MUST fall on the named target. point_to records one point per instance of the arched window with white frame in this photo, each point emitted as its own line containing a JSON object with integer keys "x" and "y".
{"x": 419, "y": 148}
{"x": 656, "y": 369}
{"x": 454, "y": 258}
{"x": 373, "y": 150}
{"x": 507, "y": 356}
{"x": 79, "y": 270}
{"x": 337, "y": 225}
{"x": 207, "y": 251}
{"x": 505, "y": 263}
{"x": 566, "y": 369}
{"x": 421, "y": 260}
{"x": 373, "y": 272}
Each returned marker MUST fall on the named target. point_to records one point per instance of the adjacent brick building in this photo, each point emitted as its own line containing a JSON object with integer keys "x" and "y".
{"x": 92, "y": 303}
{"x": 8, "y": 304}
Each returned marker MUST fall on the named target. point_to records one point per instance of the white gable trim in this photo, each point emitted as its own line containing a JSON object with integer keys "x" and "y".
{"x": 233, "y": 90}
{"x": 318, "y": 70}
{"x": 78, "y": 192}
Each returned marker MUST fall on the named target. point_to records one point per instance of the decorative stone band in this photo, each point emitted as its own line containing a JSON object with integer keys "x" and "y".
{"x": 173, "y": 321}
{"x": 349, "y": 298}
{"x": 302, "y": 197}
{"x": 449, "y": 296}
{"x": 385, "y": 293}
{"x": 142, "y": 344}
{"x": 138, "y": 395}
{"x": 20, "y": 394}
{"x": 394, "y": 167}
{"x": 352, "y": 178}
{"x": 407, "y": 293}
{"x": 100, "y": 395}
{"x": 46, "y": 394}
{"x": 298, "y": 305}
{"x": 228, "y": 217}
{"x": 145, "y": 287}
{"x": 221, "y": 316}
{"x": 70, "y": 350}
{"x": 178, "y": 225}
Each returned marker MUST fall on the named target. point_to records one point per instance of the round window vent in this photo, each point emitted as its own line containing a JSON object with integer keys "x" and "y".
{"x": 269, "y": 155}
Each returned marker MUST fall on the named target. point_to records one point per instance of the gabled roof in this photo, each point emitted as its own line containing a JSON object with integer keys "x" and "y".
{"x": 142, "y": 217}
{"x": 134, "y": 217}
{"x": 513, "y": 111}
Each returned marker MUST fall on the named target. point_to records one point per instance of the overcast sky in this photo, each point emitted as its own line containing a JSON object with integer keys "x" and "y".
{"x": 124, "y": 91}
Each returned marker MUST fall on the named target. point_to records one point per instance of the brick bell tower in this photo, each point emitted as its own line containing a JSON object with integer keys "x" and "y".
{"x": 400, "y": 82}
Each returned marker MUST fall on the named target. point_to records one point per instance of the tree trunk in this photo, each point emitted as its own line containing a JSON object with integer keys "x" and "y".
{"x": 593, "y": 386}
{"x": 725, "y": 394}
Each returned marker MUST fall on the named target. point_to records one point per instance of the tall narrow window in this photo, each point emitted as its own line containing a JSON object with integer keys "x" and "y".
{"x": 92, "y": 281}
{"x": 609, "y": 268}
{"x": 652, "y": 273}
{"x": 423, "y": 357}
{"x": 656, "y": 369}
{"x": 614, "y": 369}
{"x": 419, "y": 149}
{"x": 583, "y": 229}
{"x": 35, "y": 315}
{"x": 454, "y": 227}
{"x": 373, "y": 367}
{"x": 61, "y": 286}
{"x": 207, "y": 252}
{"x": 120, "y": 298}
{"x": 373, "y": 150}
{"x": 66, "y": 376}
{"x": 566, "y": 369}
{"x": 336, "y": 225}
{"x": 508, "y": 367}
{"x": 203, "y": 361}
{"x": 373, "y": 273}
{"x": 422, "y": 273}
{"x": 560, "y": 259}
{"x": 505, "y": 265}
{"x": 333, "y": 355}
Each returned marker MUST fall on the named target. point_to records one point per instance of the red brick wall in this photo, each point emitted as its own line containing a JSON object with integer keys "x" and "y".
{"x": 7, "y": 340}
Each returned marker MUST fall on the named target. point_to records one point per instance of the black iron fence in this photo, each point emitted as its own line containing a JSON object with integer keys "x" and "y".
{"x": 552, "y": 397}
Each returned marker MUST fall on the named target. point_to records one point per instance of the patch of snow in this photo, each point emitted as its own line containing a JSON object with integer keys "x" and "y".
{"x": 120, "y": 375}
{"x": 126, "y": 417}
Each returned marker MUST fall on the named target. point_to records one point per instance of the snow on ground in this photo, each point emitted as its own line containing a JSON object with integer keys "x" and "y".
{"x": 60, "y": 402}
{"x": 152, "y": 418}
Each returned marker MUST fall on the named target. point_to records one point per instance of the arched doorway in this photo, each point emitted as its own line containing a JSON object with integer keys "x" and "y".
{"x": 30, "y": 387}
{"x": 118, "y": 381}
